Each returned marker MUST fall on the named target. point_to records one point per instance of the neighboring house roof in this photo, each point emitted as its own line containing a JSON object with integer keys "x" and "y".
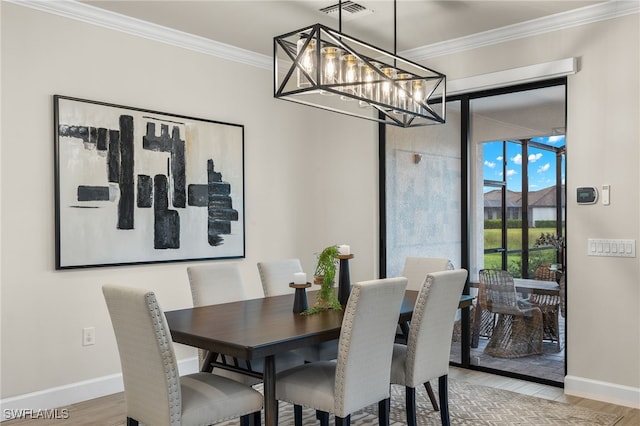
{"x": 545, "y": 197}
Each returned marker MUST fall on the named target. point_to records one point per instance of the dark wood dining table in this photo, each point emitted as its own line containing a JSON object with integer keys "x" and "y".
{"x": 263, "y": 328}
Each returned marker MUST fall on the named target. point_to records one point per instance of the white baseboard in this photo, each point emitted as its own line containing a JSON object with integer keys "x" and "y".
{"x": 602, "y": 391}
{"x": 72, "y": 393}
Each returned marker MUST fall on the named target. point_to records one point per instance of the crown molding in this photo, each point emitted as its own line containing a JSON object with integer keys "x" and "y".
{"x": 560, "y": 21}
{"x": 115, "y": 21}
{"x": 96, "y": 16}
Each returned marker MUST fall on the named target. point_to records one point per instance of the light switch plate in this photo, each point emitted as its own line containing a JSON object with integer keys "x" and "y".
{"x": 611, "y": 247}
{"x": 605, "y": 194}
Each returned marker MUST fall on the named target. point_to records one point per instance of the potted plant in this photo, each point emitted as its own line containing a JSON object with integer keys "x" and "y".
{"x": 325, "y": 274}
{"x": 554, "y": 240}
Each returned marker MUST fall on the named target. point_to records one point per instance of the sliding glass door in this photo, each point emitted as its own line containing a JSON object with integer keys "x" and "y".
{"x": 517, "y": 188}
{"x": 480, "y": 190}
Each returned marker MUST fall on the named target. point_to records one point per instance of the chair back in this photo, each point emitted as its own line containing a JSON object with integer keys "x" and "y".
{"x": 544, "y": 273}
{"x": 429, "y": 341}
{"x": 276, "y": 275}
{"x": 497, "y": 292}
{"x": 366, "y": 343}
{"x": 416, "y": 269}
{"x": 149, "y": 367}
{"x": 216, "y": 283}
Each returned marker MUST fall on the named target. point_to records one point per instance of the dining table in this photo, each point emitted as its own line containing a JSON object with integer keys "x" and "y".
{"x": 262, "y": 328}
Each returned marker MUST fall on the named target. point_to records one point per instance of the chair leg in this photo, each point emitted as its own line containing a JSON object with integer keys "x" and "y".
{"x": 257, "y": 418}
{"x": 244, "y": 420}
{"x": 557, "y": 321}
{"x": 432, "y": 396}
{"x": 443, "y": 392}
{"x": 323, "y": 416}
{"x": 297, "y": 415}
{"x": 384, "y": 407}
{"x": 410, "y": 395}
{"x": 343, "y": 421}
{"x": 131, "y": 422}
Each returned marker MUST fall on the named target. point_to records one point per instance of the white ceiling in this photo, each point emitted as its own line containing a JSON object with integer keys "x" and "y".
{"x": 252, "y": 25}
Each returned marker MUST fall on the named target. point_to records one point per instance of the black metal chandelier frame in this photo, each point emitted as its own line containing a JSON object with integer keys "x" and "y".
{"x": 387, "y": 95}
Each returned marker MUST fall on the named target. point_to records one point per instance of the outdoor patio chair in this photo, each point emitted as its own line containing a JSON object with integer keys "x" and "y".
{"x": 549, "y": 305}
{"x": 518, "y": 325}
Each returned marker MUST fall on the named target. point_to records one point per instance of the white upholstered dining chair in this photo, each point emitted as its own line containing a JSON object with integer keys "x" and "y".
{"x": 154, "y": 392}
{"x": 415, "y": 270}
{"x": 275, "y": 276}
{"x": 213, "y": 284}
{"x": 426, "y": 354}
{"x": 360, "y": 375}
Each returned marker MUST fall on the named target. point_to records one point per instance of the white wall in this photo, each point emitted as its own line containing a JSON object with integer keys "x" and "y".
{"x": 311, "y": 181}
{"x": 302, "y": 189}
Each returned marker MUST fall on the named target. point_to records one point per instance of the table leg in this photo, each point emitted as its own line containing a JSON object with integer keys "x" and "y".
{"x": 475, "y": 334}
{"x": 270, "y": 403}
{"x": 465, "y": 336}
{"x": 207, "y": 366}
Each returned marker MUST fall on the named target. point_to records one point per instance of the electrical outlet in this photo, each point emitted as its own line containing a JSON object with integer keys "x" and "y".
{"x": 88, "y": 336}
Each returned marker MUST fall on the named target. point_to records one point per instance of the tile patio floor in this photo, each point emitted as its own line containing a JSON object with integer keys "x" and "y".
{"x": 549, "y": 365}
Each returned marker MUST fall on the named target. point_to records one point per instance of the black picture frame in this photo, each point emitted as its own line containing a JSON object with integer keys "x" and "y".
{"x": 137, "y": 186}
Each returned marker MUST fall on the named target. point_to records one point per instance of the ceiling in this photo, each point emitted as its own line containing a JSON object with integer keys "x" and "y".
{"x": 252, "y": 25}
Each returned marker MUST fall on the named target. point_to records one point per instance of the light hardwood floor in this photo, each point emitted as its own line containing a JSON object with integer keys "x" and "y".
{"x": 109, "y": 410}
{"x": 631, "y": 416}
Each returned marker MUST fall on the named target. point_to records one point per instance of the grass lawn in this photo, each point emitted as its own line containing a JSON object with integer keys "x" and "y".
{"x": 514, "y": 242}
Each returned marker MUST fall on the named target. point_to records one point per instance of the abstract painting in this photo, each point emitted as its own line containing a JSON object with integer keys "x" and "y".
{"x": 138, "y": 186}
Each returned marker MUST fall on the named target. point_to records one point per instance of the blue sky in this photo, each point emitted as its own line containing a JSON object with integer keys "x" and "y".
{"x": 542, "y": 164}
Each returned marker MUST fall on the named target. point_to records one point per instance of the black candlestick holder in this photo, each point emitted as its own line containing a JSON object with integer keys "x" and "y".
{"x": 344, "y": 281}
{"x": 300, "y": 297}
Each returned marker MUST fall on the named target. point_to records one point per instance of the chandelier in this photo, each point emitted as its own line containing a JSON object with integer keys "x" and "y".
{"x": 324, "y": 68}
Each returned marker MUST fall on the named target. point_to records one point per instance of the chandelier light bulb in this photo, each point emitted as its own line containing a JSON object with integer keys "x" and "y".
{"x": 330, "y": 68}
{"x": 307, "y": 61}
{"x": 387, "y": 92}
{"x": 404, "y": 92}
{"x": 369, "y": 89}
{"x": 418, "y": 95}
{"x": 350, "y": 75}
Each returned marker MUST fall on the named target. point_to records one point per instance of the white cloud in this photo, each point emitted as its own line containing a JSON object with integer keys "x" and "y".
{"x": 544, "y": 168}
{"x": 554, "y": 140}
{"x": 511, "y": 172}
{"x": 489, "y": 164}
{"x": 517, "y": 159}
{"x": 535, "y": 157}
{"x": 499, "y": 158}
